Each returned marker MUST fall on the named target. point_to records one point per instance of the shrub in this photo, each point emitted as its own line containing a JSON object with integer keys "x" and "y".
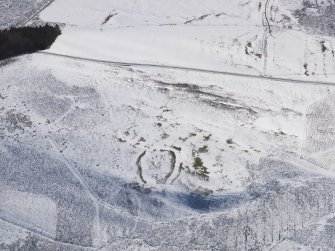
{"x": 203, "y": 149}
{"x": 197, "y": 162}
{"x": 229, "y": 141}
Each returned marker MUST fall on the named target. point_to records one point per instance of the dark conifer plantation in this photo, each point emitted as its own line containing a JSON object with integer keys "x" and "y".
{"x": 16, "y": 41}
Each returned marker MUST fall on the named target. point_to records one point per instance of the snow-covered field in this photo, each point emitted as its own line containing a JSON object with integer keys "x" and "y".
{"x": 171, "y": 125}
{"x": 256, "y": 37}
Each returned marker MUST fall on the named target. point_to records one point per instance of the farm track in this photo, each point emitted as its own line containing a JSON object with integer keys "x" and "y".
{"x": 173, "y": 67}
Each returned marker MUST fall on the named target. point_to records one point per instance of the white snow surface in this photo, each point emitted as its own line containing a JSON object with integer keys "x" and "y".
{"x": 33, "y": 212}
{"x": 171, "y": 125}
{"x": 229, "y": 35}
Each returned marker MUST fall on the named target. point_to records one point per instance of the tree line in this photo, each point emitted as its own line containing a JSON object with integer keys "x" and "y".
{"x": 21, "y": 40}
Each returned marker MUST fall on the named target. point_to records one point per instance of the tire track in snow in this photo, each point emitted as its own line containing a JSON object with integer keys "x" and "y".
{"x": 227, "y": 73}
{"x": 23, "y": 226}
{"x": 82, "y": 182}
{"x": 266, "y": 16}
{"x": 96, "y": 200}
{"x": 42, "y": 234}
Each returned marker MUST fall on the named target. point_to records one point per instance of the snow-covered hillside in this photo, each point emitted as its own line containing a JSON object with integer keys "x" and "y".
{"x": 257, "y": 37}
{"x": 171, "y": 125}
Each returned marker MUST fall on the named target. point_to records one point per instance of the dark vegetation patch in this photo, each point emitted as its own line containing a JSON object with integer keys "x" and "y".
{"x": 323, "y": 47}
{"x": 204, "y": 95}
{"x": 317, "y": 17}
{"x": 197, "y": 19}
{"x": 176, "y": 148}
{"x": 17, "y": 41}
{"x": 173, "y": 164}
{"x": 197, "y": 162}
{"x": 207, "y": 137}
{"x": 200, "y": 169}
{"x": 306, "y": 69}
{"x": 108, "y": 18}
{"x": 229, "y": 141}
{"x": 136, "y": 186}
{"x": 6, "y": 62}
{"x": 203, "y": 149}
{"x": 248, "y": 50}
{"x": 247, "y": 47}
{"x": 15, "y": 121}
{"x": 139, "y": 166}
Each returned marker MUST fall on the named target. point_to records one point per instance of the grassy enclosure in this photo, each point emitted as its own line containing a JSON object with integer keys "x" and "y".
{"x": 21, "y": 40}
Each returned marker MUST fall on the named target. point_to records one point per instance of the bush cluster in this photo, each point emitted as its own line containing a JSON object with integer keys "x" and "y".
{"x": 16, "y": 41}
